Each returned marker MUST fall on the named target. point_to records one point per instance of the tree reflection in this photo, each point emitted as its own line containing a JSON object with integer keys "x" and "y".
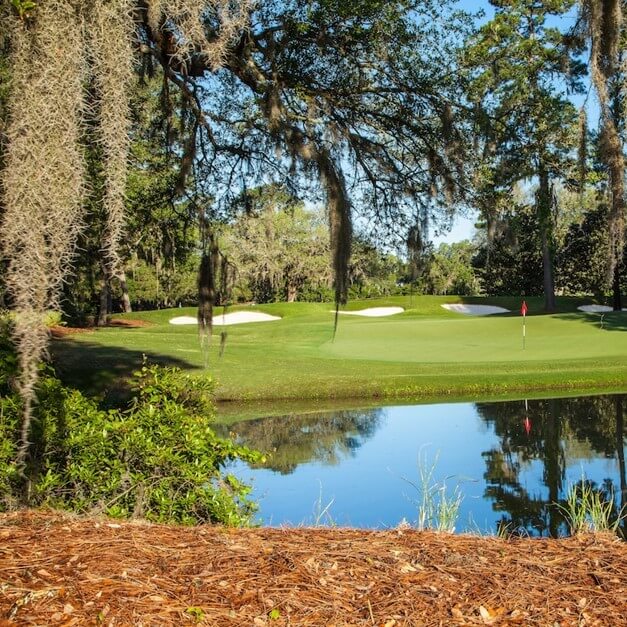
{"x": 620, "y": 451}
{"x": 584, "y": 426}
{"x": 297, "y": 439}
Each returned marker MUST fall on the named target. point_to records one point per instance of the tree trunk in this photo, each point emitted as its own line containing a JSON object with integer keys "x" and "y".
{"x": 553, "y": 464}
{"x": 291, "y": 293}
{"x": 616, "y": 295}
{"x": 620, "y": 452}
{"x": 126, "y": 299}
{"x": 543, "y": 210}
{"x": 105, "y": 299}
{"x": 547, "y": 273}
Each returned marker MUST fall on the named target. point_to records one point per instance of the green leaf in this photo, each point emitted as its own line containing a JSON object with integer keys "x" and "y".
{"x": 196, "y": 612}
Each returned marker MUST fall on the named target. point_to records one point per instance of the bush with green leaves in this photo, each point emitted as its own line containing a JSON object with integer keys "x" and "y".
{"x": 9, "y": 409}
{"x": 159, "y": 459}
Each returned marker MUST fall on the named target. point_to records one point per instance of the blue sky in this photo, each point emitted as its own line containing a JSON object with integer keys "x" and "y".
{"x": 463, "y": 228}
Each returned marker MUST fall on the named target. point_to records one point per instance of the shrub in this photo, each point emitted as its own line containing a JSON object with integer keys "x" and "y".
{"x": 53, "y": 318}
{"x": 9, "y": 410}
{"x": 159, "y": 459}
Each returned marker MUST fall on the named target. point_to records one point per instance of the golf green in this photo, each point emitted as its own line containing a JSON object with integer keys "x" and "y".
{"x": 424, "y": 351}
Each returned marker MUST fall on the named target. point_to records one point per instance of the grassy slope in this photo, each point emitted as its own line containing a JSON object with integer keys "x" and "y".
{"x": 425, "y": 351}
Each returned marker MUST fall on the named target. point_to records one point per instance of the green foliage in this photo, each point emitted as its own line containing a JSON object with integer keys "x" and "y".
{"x": 8, "y": 358}
{"x": 151, "y": 286}
{"x": 197, "y": 613}
{"x": 583, "y": 255}
{"x": 53, "y": 318}
{"x": 451, "y": 271}
{"x": 512, "y": 262}
{"x": 280, "y": 249}
{"x": 373, "y": 273}
{"x": 9, "y": 407}
{"x": 161, "y": 237}
{"x": 23, "y": 8}
{"x": 161, "y": 266}
{"x": 526, "y": 127}
{"x": 159, "y": 459}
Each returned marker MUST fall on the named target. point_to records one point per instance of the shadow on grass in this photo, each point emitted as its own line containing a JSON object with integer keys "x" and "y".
{"x": 104, "y": 371}
{"x": 610, "y": 321}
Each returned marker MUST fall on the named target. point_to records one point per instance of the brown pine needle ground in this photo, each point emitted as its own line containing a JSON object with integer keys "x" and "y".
{"x": 62, "y": 570}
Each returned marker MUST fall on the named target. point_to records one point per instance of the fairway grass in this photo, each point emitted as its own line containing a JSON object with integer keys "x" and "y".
{"x": 426, "y": 351}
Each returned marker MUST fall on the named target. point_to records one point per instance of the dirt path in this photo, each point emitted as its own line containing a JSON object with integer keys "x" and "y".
{"x": 63, "y": 570}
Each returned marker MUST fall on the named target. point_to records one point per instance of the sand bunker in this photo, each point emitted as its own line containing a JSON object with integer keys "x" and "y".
{"x": 595, "y": 308}
{"x": 237, "y": 317}
{"x": 475, "y": 310}
{"x": 184, "y": 320}
{"x": 375, "y": 312}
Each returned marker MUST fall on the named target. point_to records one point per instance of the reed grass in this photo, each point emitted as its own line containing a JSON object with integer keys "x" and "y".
{"x": 589, "y": 510}
{"x": 438, "y": 509}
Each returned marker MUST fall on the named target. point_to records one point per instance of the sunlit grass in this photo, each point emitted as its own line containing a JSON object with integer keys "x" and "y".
{"x": 424, "y": 352}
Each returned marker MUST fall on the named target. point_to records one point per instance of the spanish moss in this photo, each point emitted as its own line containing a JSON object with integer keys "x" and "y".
{"x": 42, "y": 202}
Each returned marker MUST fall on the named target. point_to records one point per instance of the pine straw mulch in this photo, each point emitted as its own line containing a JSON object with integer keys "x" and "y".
{"x": 129, "y": 324}
{"x": 59, "y": 331}
{"x": 61, "y": 570}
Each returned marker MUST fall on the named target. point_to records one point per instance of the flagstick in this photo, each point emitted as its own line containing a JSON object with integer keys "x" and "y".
{"x": 524, "y": 329}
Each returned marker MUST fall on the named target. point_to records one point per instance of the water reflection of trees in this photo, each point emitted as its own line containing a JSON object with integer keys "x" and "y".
{"x": 298, "y": 439}
{"x": 591, "y": 424}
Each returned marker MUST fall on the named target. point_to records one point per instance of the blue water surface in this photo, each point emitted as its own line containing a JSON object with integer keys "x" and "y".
{"x": 511, "y": 462}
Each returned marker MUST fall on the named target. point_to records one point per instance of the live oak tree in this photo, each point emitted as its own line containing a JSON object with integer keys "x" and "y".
{"x": 276, "y": 246}
{"x": 451, "y": 271}
{"x": 353, "y": 96}
{"x": 374, "y": 271}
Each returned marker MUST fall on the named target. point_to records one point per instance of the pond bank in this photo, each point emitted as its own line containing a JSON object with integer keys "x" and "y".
{"x": 59, "y": 569}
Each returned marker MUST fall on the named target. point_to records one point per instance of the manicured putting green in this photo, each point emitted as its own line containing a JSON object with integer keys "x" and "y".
{"x": 425, "y": 350}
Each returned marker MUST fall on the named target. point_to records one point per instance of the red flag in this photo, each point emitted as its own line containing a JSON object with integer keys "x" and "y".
{"x": 523, "y": 309}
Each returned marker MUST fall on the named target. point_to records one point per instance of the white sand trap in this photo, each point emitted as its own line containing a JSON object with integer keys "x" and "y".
{"x": 475, "y": 310}
{"x": 184, "y": 320}
{"x": 596, "y": 308}
{"x": 237, "y": 317}
{"x": 242, "y": 317}
{"x": 375, "y": 312}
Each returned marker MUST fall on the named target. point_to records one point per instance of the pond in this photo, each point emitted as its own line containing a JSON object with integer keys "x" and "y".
{"x": 510, "y": 461}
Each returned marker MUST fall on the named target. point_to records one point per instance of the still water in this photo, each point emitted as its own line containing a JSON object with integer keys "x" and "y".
{"x": 511, "y": 461}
